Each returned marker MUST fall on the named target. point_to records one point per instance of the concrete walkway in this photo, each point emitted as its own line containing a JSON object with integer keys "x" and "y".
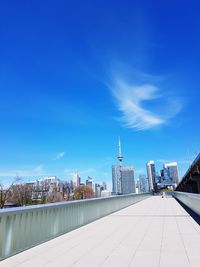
{"x": 154, "y": 232}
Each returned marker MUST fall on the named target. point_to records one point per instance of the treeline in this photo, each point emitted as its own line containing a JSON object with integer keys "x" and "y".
{"x": 23, "y": 194}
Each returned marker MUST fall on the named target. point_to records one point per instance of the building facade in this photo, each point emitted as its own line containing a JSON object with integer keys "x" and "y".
{"x": 76, "y": 180}
{"x": 116, "y": 180}
{"x": 91, "y": 183}
{"x": 171, "y": 172}
{"x": 128, "y": 182}
{"x": 144, "y": 185}
{"x": 123, "y": 180}
{"x": 151, "y": 174}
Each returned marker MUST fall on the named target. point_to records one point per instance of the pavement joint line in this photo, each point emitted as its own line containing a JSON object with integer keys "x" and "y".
{"x": 163, "y": 225}
{"x": 145, "y": 233}
{"x": 127, "y": 234}
{"x": 183, "y": 241}
{"x": 68, "y": 250}
{"x": 110, "y": 234}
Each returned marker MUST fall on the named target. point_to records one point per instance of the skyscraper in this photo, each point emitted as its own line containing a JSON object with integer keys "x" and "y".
{"x": 144, "y": 185}
{"x": 171, "y": 172}
{"x": 116, "y": 180}
{"x": 122, "y": 176}
{"x": 128, "y": 182}
{"x": 91, "y": 183}
{"x": 151, "y": 174}
{"x": 104, "y": 186}
{"x": 76, "y": 180}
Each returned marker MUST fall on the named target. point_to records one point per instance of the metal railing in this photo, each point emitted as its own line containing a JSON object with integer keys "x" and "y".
{"x": 25, "y": 227}
{"x": 192, "y": 201}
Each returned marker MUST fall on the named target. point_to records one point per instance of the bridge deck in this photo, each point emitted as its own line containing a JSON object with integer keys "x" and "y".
{"x": 154, "y": 232}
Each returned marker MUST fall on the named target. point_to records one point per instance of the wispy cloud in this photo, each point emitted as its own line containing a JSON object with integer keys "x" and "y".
{"x": 59, "y": 155}
{"x": 34, "y": 171}
{"x": 39, "y": 169}
{"x": 139, "y": 102}
{"x": 180, "y": 162}
{"x": 70, "y": 172}
{"x": 163, "y": 160}
{"x": 184, "y": 162}
{"x": 80, "y": 172}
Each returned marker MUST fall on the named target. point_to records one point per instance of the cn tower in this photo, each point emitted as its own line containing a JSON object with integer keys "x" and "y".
{"x": 120, "y": 157}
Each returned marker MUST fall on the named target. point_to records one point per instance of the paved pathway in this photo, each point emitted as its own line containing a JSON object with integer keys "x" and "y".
{"x": 154, "y": 232}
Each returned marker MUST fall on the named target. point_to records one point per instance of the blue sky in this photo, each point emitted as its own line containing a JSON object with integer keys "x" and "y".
{"x": 76, "y": 75}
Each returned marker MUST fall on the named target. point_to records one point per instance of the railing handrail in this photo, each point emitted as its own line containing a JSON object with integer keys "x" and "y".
{"x": 13, "y": 210}
{"x": 195, "y": 195}
{"x": 191, "y": 200}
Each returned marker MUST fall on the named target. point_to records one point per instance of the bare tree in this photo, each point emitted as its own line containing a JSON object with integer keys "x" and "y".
{"x": 66, "y": 188}
{"x": 54, "y": 197}
{"x": 21, "y": 194}
{"x": 42, "y": 191}
{"x": 5, "y": 192}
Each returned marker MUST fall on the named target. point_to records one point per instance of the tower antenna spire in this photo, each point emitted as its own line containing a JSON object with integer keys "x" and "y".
{"x": 120, "y": 157}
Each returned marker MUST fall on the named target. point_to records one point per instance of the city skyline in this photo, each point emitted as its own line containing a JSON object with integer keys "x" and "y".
{"x": 70, "y": 87}
{"x": 84, "y": 175}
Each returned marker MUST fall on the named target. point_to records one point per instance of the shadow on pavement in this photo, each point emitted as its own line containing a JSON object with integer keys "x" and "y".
{"x": 189, "y": 211}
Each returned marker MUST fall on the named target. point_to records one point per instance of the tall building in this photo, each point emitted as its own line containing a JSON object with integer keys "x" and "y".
{"x": 137, "y": 187}
{"x": 169, "y": 175}
{"x": 116, "y": 180}
{"x": 122, "y": 177}
{"x": 170, "y": 171}
{"x": 128, "y": 182}
{"x": 123, "y": 180}
{"x": 104, "y": 186}
{"x": 97, "y": 190}
{"x": 144, "y": 185}
{"x": 91, "y": 183}
{"x": 151, "y": 174}
{"x": 76, "y": 180}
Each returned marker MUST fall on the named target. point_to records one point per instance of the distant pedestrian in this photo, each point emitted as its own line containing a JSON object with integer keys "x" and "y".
{"x": 163, "y": 194}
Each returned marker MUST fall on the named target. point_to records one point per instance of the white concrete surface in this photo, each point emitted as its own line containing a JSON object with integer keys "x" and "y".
{"x": 154, "y": 232}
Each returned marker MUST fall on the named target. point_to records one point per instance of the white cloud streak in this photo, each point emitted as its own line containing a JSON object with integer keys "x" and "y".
{"x": 59, "y": 155}
{"x": 35, "y": 171}
{"x": 179, "y": 162}
{"x": 184, "y": 162}
{"x": 130, "y": 100}
{"x": 163, "y": 160}
{"x": 39, "y": 169}
{"x": 80, "y": 172}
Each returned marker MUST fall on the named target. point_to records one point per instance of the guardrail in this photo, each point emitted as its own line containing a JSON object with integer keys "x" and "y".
{"x": 25, "y": 227}
{"x": 192, "y": 201}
